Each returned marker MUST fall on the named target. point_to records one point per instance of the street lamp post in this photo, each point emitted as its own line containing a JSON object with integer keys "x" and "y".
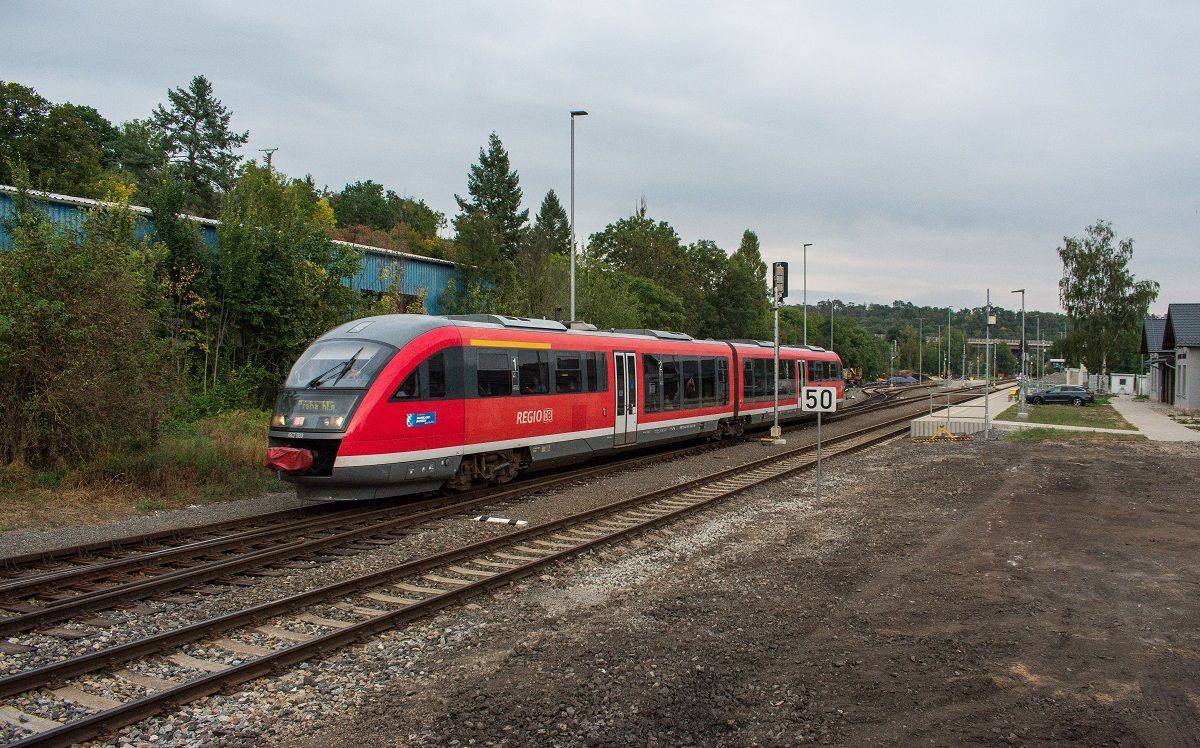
{"x": 1021, "y": 403}
{"x": 574, "y": 113}
{"x": 804, "y": 267}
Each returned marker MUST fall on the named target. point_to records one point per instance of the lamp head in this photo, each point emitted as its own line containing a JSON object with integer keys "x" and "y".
{"x": 578, "y": 113}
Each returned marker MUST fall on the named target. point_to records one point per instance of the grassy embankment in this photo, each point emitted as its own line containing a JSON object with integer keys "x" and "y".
{"x": 1101, "y": 415}
{"x": 213, "y": 459}
{"x": 1058, "y": 435}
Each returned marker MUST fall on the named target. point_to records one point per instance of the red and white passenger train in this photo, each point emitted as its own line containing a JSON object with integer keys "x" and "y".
{"x": 402, "y": 404}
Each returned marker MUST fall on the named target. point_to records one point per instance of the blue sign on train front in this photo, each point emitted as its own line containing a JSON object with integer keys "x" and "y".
{"x": 422, "y": 419}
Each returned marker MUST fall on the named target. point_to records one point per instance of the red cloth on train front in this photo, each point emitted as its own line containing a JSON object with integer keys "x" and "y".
{"x": 289, "y": 459}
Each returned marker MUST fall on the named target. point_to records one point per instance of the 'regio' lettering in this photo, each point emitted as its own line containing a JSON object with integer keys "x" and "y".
{"x": 543, "y": 415}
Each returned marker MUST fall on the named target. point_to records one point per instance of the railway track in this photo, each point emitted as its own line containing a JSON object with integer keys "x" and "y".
{"x": 263, "y": 638}
{"x": 70, "y": 591}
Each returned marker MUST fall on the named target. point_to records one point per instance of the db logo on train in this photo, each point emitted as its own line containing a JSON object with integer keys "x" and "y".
{"x": 544, "y": 415}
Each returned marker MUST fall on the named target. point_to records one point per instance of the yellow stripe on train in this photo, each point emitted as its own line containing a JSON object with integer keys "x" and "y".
{"x": 507, "y": 344}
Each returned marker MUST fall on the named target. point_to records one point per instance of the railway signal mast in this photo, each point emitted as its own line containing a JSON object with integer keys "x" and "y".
{"x": 779, "y": 291}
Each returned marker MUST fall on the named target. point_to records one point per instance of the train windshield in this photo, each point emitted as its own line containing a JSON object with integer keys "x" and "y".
{"x": 341, "y": 364}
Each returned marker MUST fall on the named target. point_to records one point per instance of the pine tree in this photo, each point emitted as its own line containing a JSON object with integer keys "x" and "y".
{"x": 552, "y": 227}
{"x": 495, "y": 192}
{"x": 197, "y": 138}
{"x": 744, "y": 290}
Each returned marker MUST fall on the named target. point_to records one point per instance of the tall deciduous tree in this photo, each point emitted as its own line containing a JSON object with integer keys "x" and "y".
{"x": 279, "y": 284}
{"x": 494, "y": 191}
{"x": 637, "y": 245}
{"x": 362, "y": 204}
{"x": 55, "y": 147}
{"x": 744, "y": 292}
{"x": 139, "y": 154}
{"x": 1100, "y": 295}
{"x": 542, "y": 289}
{"x": 196, "y": 134}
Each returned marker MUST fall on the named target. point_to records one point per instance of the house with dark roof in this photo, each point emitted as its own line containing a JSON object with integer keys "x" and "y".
{"x": 1162, "y": 362}
{"x": 1180, "y": 353}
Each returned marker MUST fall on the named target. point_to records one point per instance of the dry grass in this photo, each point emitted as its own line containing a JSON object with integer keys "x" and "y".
{"x": 215, "y": 459}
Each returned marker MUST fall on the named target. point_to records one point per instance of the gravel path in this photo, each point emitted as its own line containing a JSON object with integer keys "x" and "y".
{"x": 21, "y": 542}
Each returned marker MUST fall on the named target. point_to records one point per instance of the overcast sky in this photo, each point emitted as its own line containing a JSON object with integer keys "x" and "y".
{"x": 926, "y": 150}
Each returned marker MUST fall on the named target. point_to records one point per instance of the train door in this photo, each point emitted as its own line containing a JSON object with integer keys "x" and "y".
{"x": 625, "y": 376}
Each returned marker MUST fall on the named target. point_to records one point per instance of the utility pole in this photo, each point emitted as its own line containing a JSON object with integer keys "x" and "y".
{"x": 574, "y": 113}
{"x": 831, "y": 324}
{"x": 804, "y": 267}
{"x": 939, "y": 363}
{"x": 920, "y": 350}
{"x": 947, "y": 342}
{"x": 987, "y": 370}
{"x": 270, "y": 152}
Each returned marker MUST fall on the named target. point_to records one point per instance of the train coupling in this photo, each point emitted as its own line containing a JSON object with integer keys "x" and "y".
{"x": 289, "y": 459}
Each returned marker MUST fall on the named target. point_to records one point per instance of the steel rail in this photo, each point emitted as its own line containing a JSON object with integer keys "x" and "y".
{"x": 373, "y": 523}
{"x": 88, "y": 727}
{"x": 76, "y": 574}
{"x": 16, "y": 563}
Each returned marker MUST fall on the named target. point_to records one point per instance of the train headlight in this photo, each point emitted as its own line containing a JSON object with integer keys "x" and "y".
{"x": 279, "y": 420}
{"x": 338, "y": 421}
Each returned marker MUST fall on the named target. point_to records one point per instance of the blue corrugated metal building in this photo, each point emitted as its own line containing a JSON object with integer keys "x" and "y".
{"x": 375, "y": 272}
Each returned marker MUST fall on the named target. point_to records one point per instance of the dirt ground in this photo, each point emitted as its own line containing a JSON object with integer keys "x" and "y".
{"x": 1010, "y": 593}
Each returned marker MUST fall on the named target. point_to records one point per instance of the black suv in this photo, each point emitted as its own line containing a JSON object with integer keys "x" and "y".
{"x": 1061, "y": 393}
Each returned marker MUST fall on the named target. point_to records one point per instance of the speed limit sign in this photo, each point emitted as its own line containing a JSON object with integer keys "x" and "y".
{"x": 818, "y": 400}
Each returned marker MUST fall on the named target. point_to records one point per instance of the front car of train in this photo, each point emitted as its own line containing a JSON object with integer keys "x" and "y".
{"x": 332, "y": 431}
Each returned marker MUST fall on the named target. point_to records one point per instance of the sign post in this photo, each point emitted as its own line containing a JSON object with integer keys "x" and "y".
{"x": 779, "y": 290}
{"x": 819, "y": 400}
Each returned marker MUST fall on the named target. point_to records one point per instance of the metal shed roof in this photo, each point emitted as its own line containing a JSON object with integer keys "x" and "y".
{"x": 377, "y": 271}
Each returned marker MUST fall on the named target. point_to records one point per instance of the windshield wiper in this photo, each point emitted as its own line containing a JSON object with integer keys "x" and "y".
{"x": 343, "y": 366}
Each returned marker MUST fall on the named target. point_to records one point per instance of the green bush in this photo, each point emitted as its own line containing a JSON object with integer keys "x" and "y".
{"x": 219, "y": 457}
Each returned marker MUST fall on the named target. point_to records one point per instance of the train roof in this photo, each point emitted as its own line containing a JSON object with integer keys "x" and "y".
{"x": 401, "y": 329}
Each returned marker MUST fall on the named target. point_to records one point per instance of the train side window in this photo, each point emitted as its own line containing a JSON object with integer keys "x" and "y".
{"x": 708, "y": 380}
{"x": 671, "y": 384}
{"x": 533, "y": 372}
{"x": 723, "y": 381}
{"x": 601, "y": 377}
{"x": 785, "y": 378}
{"x": 652, "y": 374}
{"x": 589, "y": 364}
{"x": 495, "y": 373}
{"x": 435, "y": 367}
{"x": 410, "y": 388}
{"x": 768, "y": 377}
{"x": 814, "y": 371}
{"x": 568, "y": 376}
{"x": 690, "y": 368}
{"x": 748, "y": 379}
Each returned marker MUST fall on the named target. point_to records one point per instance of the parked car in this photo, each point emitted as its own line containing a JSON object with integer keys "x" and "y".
{"x": 1061, "y": 393}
